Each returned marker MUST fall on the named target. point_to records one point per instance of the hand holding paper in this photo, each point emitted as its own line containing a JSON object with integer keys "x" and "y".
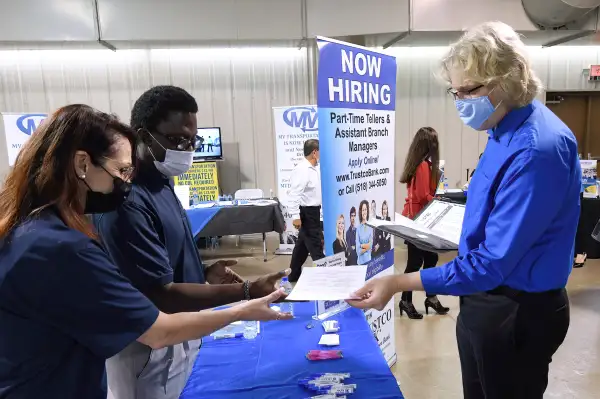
{"x": 333, "y": 283}
{"x": 378, "y": 292}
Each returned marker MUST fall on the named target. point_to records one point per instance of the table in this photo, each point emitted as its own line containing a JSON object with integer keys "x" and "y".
{"x": 590, "y": 215}
{"x": 218, "y": 221}
{"x": 269, "y": 366}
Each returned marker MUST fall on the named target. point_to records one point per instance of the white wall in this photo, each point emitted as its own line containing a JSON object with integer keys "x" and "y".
{"x": 236, "y": 89}
{"x": 421, "y": 100}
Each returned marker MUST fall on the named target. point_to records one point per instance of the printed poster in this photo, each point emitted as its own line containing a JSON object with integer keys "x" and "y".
{"x": 293, "y": 126}
{"x": 356, "y": 102}
{"x": 589, "y": 176}
{"x": 203, "y": 181}
{"x": 18, "y": 128}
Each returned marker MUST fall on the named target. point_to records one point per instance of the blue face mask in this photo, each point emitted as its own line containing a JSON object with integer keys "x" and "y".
{"x": 474, "y": 111}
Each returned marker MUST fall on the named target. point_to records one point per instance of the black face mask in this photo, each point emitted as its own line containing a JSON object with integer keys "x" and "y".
{"x": 103, "y": 203}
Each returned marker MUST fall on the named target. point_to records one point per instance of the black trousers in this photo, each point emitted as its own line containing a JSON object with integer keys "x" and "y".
{"x": 310, "y": 239}
{"x": 418, "y": 258}
{"x": 506, "y": 340}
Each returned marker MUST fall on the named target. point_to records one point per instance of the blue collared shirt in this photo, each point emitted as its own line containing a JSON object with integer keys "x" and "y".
{"x": 522, "y": 210}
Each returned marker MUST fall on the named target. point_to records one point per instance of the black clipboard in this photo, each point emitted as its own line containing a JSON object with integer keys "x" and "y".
{"x": 424, "y": 241}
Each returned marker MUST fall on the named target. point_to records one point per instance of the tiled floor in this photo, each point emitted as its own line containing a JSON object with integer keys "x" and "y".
{"x": 428, "y": 365}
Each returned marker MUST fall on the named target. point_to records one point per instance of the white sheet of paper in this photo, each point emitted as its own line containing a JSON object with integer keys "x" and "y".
{"x": 204, "y": 205}
{"x": 334, "y": 283}
{"x": 450, "y": 226}
{"x": 183, "y": 194}
{"x": 443, "y": 219}
{"x": 330, "y": 340}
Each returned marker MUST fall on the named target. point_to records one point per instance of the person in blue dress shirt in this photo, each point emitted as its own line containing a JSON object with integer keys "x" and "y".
{"x": 516, "y": 247}
{"x": 364, "y": 235}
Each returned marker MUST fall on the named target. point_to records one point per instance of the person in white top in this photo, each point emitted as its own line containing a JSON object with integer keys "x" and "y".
{"x": 304, "y": 203}
{"x": 210, "y": 144}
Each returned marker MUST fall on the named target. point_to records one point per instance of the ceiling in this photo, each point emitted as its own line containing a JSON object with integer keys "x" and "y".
{"x": 125, "y": 24}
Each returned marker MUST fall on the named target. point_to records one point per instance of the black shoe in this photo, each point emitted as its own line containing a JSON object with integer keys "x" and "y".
{"x": 580, "y": 264}
{"x": 435, "y": 305}
{"x": 410, "y": 310}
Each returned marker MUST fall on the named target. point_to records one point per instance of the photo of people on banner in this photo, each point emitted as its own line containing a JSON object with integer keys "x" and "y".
{"x": 360, "y": 242}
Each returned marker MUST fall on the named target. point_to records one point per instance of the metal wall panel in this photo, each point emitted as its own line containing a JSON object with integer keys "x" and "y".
{"x": 48, "y": 20}
{"x": 236, "y": 89}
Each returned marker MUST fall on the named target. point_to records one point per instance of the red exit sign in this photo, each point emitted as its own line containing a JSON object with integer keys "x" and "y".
{"x": 594, "y": 72}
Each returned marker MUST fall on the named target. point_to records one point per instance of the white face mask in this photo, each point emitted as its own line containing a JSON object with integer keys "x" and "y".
{"x": 176, "y": 162}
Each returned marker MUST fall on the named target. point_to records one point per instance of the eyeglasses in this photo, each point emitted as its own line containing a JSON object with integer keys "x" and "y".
{"x": 462, "y": 93}
{"x": 126, "y": 172}
{"x": 181, "y": 143}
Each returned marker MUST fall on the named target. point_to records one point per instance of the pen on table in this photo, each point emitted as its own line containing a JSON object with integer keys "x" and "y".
{"x": 224, "y": 336}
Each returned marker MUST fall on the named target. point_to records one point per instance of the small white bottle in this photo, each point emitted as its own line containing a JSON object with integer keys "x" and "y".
{"x": 250, "y": 329}
{"x": 286, "y": 307}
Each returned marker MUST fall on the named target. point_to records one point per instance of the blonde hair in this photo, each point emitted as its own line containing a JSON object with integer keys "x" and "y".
{"x": 341, "y": 237}
{"x": 493, "y": 53}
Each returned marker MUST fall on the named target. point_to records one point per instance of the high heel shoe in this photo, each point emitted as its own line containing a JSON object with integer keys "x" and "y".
{"x": 580, "y": 264}
{"x": 410, "y": 310}
{"x": 435, "y": 305}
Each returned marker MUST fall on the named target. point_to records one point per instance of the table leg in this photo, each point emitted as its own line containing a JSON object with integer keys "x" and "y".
{"x": 264, "y": 247}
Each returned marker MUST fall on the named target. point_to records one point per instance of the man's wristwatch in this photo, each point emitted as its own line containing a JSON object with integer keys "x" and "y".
{"x": 246, "y": 286}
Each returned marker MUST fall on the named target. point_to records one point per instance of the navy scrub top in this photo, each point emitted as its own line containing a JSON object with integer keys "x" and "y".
{"x": 149, "y": 236}
{"x": 64, "y": 309}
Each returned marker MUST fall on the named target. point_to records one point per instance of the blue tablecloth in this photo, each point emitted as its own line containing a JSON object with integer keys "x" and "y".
{"x": 199, "y": 217}
{"x": 269, "y": 366}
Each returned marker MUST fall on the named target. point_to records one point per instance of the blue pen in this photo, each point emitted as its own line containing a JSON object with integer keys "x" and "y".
{"x": 224, "y": 336}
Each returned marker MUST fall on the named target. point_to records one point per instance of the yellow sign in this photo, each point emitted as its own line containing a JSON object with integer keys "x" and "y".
{"x": 203, "y": 181}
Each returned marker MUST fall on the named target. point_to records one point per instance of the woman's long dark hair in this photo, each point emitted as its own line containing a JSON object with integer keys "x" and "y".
{"x": 424, "y": 145}
{"x": 44, "y": 171}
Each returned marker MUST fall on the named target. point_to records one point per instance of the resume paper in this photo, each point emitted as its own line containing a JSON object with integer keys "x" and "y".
{"x": 333, "y": 283}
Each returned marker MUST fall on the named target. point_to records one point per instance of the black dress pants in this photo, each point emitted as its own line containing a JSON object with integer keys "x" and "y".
{"x": 418, "y": 258}
{"x": 506, "y": 340}
{"x": 310, "y": 239}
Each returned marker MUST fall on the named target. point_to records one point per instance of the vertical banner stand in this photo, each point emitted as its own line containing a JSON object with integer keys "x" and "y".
{"x": 356, "y": 103}
{"x": 293, "y": 126}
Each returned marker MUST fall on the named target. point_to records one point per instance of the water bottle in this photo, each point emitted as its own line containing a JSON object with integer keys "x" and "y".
{"x": 286, "y": 307}
{"x": 445, "y": 184}
{"x": 250, "y": 329}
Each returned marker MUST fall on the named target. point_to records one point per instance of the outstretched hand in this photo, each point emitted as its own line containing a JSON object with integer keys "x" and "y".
{"x": 267, "y": 284}
{"x": 260, "y": 309}
{"x": 220, "y": 273}
{"x": 375, "y": 294}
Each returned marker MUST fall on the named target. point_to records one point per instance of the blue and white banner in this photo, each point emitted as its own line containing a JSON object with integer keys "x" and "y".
{"x": 356, "y": 103}
{"x": 293, "y": 126}
{"x": 17, "y": 130}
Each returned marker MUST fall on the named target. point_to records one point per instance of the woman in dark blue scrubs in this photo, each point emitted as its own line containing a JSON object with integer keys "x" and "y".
{"x": 64, "y": 307}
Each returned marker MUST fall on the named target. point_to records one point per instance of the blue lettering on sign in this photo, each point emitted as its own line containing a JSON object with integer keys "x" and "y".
{"x": 304, "y": 118}
{"x": 29, "y": 122}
